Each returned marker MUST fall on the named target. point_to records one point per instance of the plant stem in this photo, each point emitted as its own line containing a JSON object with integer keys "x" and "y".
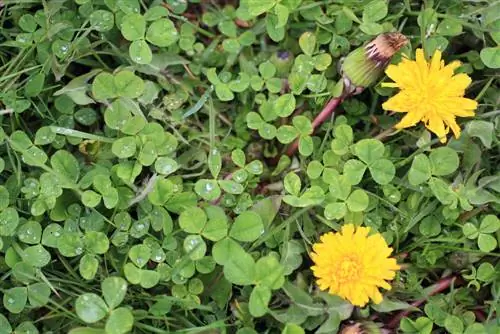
{"x": 440, "y": 286}
{"x": 327, "y": 111}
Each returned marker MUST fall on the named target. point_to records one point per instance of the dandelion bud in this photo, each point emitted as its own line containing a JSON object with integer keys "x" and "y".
{"x": 365, "y": 65}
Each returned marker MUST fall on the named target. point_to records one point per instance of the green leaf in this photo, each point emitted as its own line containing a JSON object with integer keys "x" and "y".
{"x": 303, "y": 125}
{"x": 124, "y": 147}
{"x": 247, "y": 227}
{"x": 444, "y": 161}
{"x": 90, "y": 198}
{"x": 453, "y": 324}
{"x": 254, "y": 121}
{"x": 4, "y": 198}
{"x": 223, "y": 92}
{"x": 34, "y": 85}
{"x": 339, "y": 188}
{"x": 257, "y": 7}
{"x": 30, "y": 232}
{"x": 343, "y": 139}
{"x": 162, "y": 33}
{"x": 238, "y": 157}
{"x": 358, "y": 201}
{"x": 240, "y": 84}
{"x": 420, "y": 170}
{"x": 140, "y": 255}
{"x": 37, "y": 256}
{"x": 491, "y": 57}
{"x": 489, "y": 224}
{"x": 102, "y": 20}
{"x": 207, "y": 189}
{"x": 307, "y": 43}
{"x": 284, "y": 105}
{"x": 231, "y": 187}
{"x": 216, "y": 227}
{"x": 331, "y": 325}
{"x": 292, "y": 329}
{"x": 442, "y": 191}
{"x": 120, "y": 321}
{"x": 227, "y": 249}
{"x": 44, "y": 136}
{"x": 269, "y": 272}
{"x": 475, "y": 328}
{"x": 354, "y": 171}
{"x": 133, "y": 27}
{"x": 470, "y": 231}
{"x": 314, "y": 169}
{"x": 195, "y": 247}
{"x": 382, "y": 171}
{"x": 375, "y": 11}
{"x": 149, "y": 278}
{"x": 165, "y": 165}
{"x": 369, "y": 150}
{"x": 140, "y": 52}
{"x": 267, "y": 131}
{"x": 322, "y": 61}
{"x": 306, "y": 145}
{"x": 486, "y": 272}
{"x": 479, "y": 129}
{"x": 486, "y": 242}
{"x": 214, "y": 162}
{"x": 240, "y": 270}
{"x": 259, "y": 299}
{"x": 335, "y": 211}
{"x": 65, "y": 164}
{"x": 127, "y": 84}
{"x": 28, "y": 23}
{"x": 51, "y": 234}
{"x": 90, "y": 308}
{"x": 371, "y": 28}
{"x": 193, "y": 220}
{"x": 88, "y": 266}
{"x": 422, "y": 325}
{"x": 5, "y": 327}
{"x": 286, "y": 134}
{"x": 449, "y": 27}
{"x": 14, "y": 299}
{"x": 96, "y": 242}
{"x": 103, "y": 86}
{"x": 292, "y": 183}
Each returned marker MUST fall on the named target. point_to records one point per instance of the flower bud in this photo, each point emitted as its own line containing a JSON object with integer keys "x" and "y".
{"x": 365, "y": 65}
{"x": 283, "y": 61}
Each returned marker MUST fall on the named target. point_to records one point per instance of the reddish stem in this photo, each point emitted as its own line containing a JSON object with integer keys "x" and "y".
{"x": 325, "y": 114}
{"x": 440, "y": 286}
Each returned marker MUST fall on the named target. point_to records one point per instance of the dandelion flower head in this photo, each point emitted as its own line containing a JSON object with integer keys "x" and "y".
{"x": 353, "y": 264}
{"x": 429, "y": 92}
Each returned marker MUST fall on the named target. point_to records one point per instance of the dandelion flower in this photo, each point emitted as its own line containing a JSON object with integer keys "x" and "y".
{"x": 429, "y": 92}
{"x": 353, "y": 265}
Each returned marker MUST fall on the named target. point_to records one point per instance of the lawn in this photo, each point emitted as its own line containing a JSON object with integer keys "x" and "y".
{"x": 247, "y": 167}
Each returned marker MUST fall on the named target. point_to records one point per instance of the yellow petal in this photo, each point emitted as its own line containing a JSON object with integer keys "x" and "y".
{"x": 436, "y": 61}
{"x": 436, "y": 125}
{"x": 410, "y": 119}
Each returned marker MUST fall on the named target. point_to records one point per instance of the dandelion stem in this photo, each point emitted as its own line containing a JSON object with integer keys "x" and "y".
{"x": 325, "y": 114}
{"x": 440, "y": 286}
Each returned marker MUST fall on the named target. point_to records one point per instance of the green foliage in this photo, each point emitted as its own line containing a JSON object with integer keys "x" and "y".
{"x": 145, "y": 185}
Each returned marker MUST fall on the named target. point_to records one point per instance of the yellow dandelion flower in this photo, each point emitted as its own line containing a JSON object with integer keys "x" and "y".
{"x": 429, "y": 92}
{"x": 353, "y": 265}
